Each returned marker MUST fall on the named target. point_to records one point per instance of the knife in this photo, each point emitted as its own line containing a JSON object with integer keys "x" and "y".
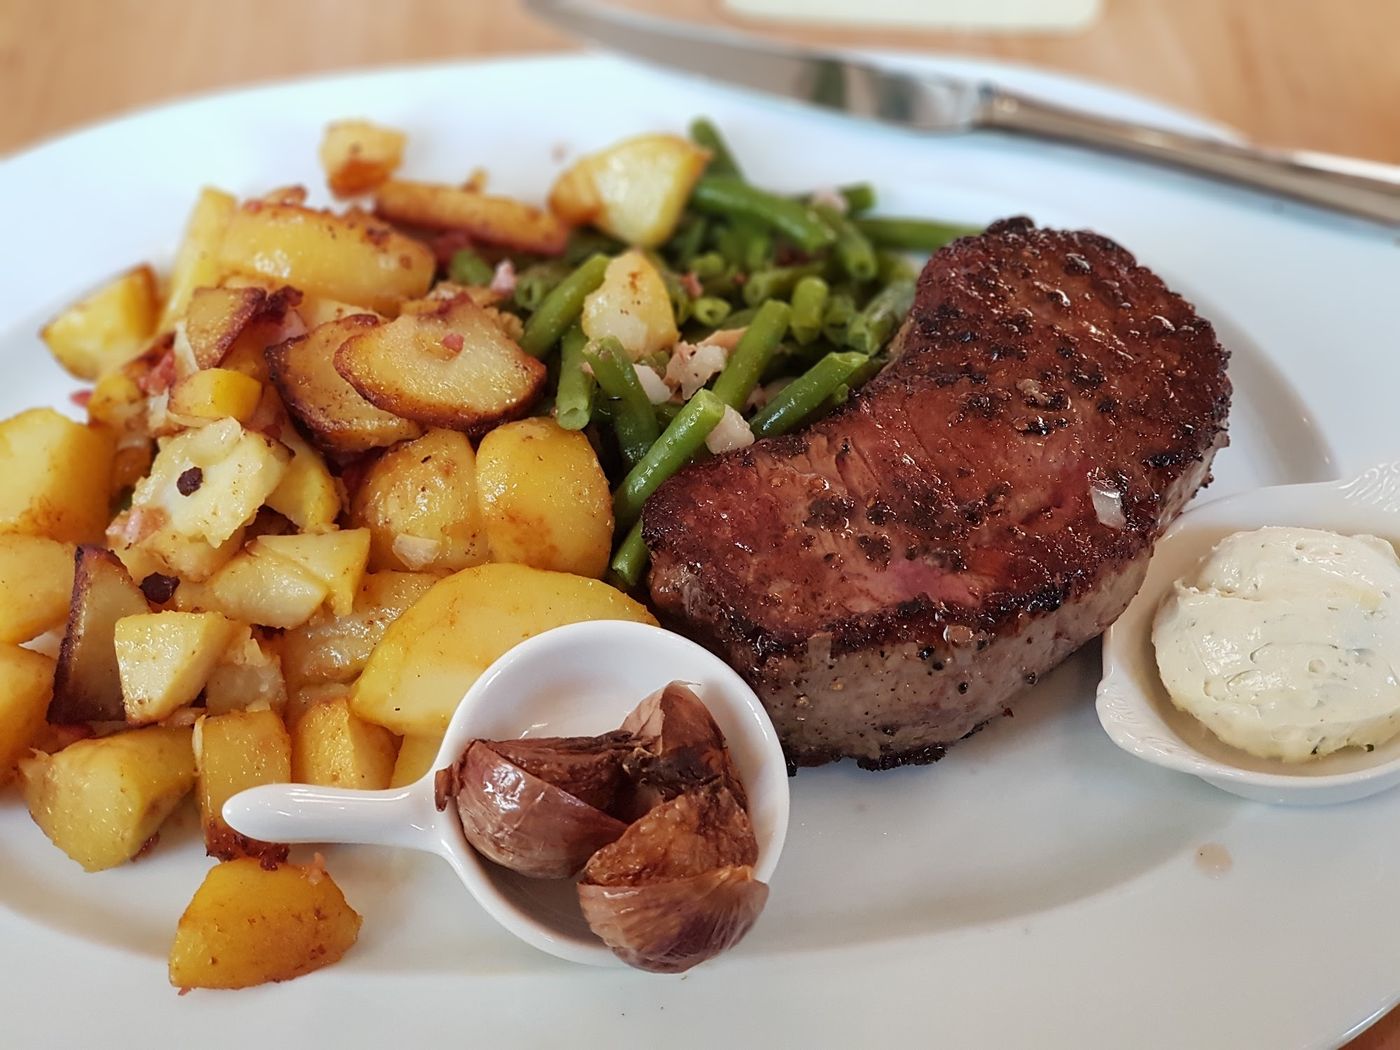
{"x": 941, "y": 103}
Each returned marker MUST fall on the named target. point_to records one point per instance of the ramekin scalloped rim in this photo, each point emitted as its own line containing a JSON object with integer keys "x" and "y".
{"x": 1132, "y": 704}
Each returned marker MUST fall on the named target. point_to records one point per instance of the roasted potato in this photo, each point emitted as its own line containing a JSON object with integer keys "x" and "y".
{"x": 436, "y": 650}
{"x": 336, "y": 558}
{"x": 544, "y": 498}
{"x": 213, "y": 321}
{"x": 108, "y": 328}
{"x": 635, "y": 190}
{"x": 419, "y": 502}
{"x": 336, "y": 648}
{"x": 357, "y": 156}
{"x": 333, "y": 747}
{"x": 165, "y": 658}
{"x": 303, "y": 699}
{"x": 197, "y": 260}
{"x": 102, "y": 800}
{"x": 26, "y": 685}
{"x": 252, "y": 922}
{"x": 348, "y": 257}
{"x": 258, "y": 586}
{"x": 416, "y": 756}
{"x": 633, "y": 306}
{"x": 233, "y": 752}
{"x": 338, "y": 418}
{"x": 215, "y": 393}
{"x": 87, "y": 685}
{"x": 489, "y": 220}
{"x": 248, "y": 675}
{"x": 57, "y": 475}
{"x": 449, "y": 365}
{"x": 36, "y": 585}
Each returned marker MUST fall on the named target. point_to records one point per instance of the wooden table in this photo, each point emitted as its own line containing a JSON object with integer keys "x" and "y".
{"x": 1287, "y": 72}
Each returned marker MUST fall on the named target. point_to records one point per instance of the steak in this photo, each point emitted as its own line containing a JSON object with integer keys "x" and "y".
{"x": 888, "y": 578}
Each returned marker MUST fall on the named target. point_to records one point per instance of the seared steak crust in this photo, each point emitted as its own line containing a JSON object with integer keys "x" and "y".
{"x": 888, "y": 578}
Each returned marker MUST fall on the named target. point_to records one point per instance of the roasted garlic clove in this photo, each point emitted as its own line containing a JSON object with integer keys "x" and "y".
{"x": 677, "y": 888}
{"x": 679, "y": 747}
{"x": 520, "y": 821}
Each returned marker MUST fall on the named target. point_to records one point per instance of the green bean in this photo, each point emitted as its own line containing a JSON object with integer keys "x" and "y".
{"x": 467, "y": 267}
{"x": 809, "y": 298}
{"x": 535, "y": 282}
{"x": 755, "y": 347}
{"x": 756, "y": 245}
{"x": 631, "y": 558}
{"x": 853, "y": 249}
{"x": 680, "y": 441}
{"x": 584, "y": 243}
{"x": 894, "y": 266}
{"x": 665, "y": 412}
{"x": 872, "y": 327}
{"x": 912, "y": 235}
{"x": 730, "y": 244}
{"x": 710, "y": 264}
{"x": 704, "y": 133}
{"x": 710, "y": 310}
{"x": 687, "y": 240}
{"x": 860, "y": 196}
{"x": 836, "y": 318}
{"x": 635, "y": 420}
{"x": 738, "y": 319}
{"x": 675, "y": 290}
{"x": 732, "y": 196}
{"x": 562, "y": 307}
{"x": 778, "y": 281}
{"x": 804, "y": 395}
{"x": 573, "y": 404}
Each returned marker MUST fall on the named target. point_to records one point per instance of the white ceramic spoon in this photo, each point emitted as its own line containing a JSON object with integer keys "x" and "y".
{"x": 576, "y": 680}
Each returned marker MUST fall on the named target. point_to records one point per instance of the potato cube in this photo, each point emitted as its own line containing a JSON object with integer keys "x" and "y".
{"x": 57, "y": 475}
{"x": 26, "y": 684}
{"x": 108, "y": 328}
{"x": 544, "y": 498}
{"x": 263, "y": 588}
{"x": 216, "y": 393}
{"x": 332, "y": 747}
{"x": 631, "y": 305}
{"x": 635, "y": 190}
{"x": 165, "y": 658}
{"x": 197, "y": 259}
{"x": 305, "y": 698}
{"x": 357, "y": 156}
{"x": 419, "y": 502}
{"x": 308, "y": 496}
{"x": 101, "y": 800}
{"x": 36, "y": 585}
{"x": 335, "y": 558}
{"x": 249, "y": 924}
{"x": 416, "y": 757}
{"x": 233, "y": 752}
{"x": 248, "y": 675}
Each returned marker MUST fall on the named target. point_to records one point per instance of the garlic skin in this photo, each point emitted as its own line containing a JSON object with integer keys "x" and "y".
{"x": 519, "y": 821}
{"x": 678, "y": 747}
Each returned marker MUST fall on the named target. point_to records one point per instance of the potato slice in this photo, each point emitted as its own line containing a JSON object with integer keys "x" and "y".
{"x": 258, "y": 586}
{"x": 108, "y": 328}
{"x": 250, "y": 923}
{"x": 26, "y": 686}
{"x": 336, "y": 648}
{"x": 348, "y": 257}
{"x": 419, "y": 502}
{"x": 450, "y": 366}
{"x": 197, "y": 260}
{"x": 57, "y": 475}
{"x": 357, "y": 156}
{"x": 632, "y": 305}
{"x": 435, "y": 651}
{"x": 87, "y": 686}
{"x": 635, "y": 190}
{"x": 214, "y": 320}
{"x": 339, "y": 419}
{"x": 102, "y": 800}
{"x": 489, "y": 220}
{"x": 544, "y": 498}
{"x": 216, "y": 393}
{"x": 247, "y": 676}
{"x": 335, "y": 558}
{"x": 234, "y": 752}
{"x": 36, "y": 585}
{"x": 333, "y": 747}
{"x": 165, "y": 658}
{"x": 416, "y": 757}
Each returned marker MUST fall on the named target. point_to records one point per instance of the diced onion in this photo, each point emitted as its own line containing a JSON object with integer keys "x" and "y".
{"x": 653, "y": 385}
{"x": 693, "y": 365}
{"x": 1108, "y": 503}
{"x": 730, "y": 432}
{"x": 416, "y": 551}
{"x": 503, "y": 280}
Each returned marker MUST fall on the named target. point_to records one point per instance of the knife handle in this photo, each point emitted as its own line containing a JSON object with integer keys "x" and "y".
{"x": 1278, "y": 172}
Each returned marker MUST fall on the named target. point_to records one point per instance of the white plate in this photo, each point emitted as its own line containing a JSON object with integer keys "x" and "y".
{"x": 1036, "y": 888}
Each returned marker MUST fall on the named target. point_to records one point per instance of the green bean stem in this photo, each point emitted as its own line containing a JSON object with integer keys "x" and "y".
{"x": 809, "y": 298}
{"x": 704, "y": 133}
{"x": 562, "y": 307}
{"x": 756, "y": 346}
{"x": 631, "y": 558}
{"x": 467, "y": 267}
{"x": 573, "y": 404}
{"x": 681, "y": 440}
{"x": 912, "y": 235}
{"x": 804, "y": 395}
{"x": 732, "y": 196}
{"x": 635, "y": 420}
{"x": 872, "y": 327}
